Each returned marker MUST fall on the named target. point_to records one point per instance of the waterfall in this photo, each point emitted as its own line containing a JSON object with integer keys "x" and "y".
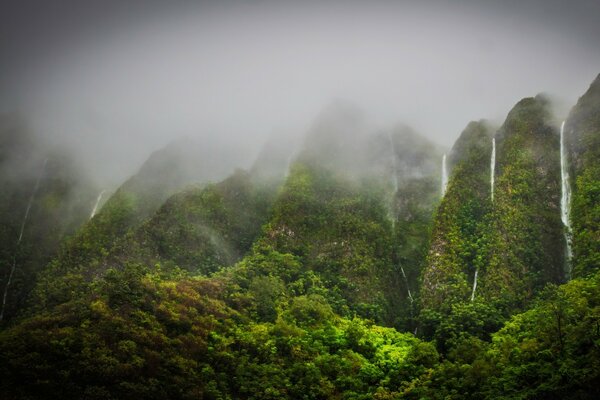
{"x": 444, "y": 175}
{"x": 474, "y": 285}
{"x": 407, "y": 288}
{"x": 96, "y": 204}
{"x": 493, "y": 167}
{"x": 20, "y": 237}
{"x": 395, "y": 184}
{"x": 565, "y": 198}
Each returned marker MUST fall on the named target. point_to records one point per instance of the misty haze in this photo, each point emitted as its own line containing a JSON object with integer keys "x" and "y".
{"x": 299, "y": 200}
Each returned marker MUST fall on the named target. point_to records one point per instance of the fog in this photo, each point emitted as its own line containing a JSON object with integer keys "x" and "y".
{"x": 112, "y": 81}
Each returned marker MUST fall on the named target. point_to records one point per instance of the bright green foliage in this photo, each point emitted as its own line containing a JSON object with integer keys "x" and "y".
{"x": 243, "y": 289}
{"x": 154, "y": 335}
{"x": 551, "y": 351}
{"x": 582, "y": 134}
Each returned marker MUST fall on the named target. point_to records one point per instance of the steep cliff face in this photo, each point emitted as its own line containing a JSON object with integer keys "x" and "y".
{"x": 582, "y": 136}
{"x": 43, "y": 198}
{"x": 84, "y": 255}
{"x": 526, "y": 244}
{"x": 499, "y": 250}
{"x": 417, "y": 169}
{"x": 200, "y": 229}
{"x": 354, "y": 209}
{"x": 456, "y": 250}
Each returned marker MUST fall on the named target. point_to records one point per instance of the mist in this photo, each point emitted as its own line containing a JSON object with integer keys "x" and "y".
{"x": 111, "y": 82}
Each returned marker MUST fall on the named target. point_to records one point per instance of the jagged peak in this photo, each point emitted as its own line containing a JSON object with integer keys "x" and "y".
{"x": 476, "y": 136}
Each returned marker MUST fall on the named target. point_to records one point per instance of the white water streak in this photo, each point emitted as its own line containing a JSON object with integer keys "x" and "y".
{"x": 474, "y": 285}
{"x": 444, "y": 175}
{"x": 25, "y": 217}
{"x": 407, "y": 288}
{"x": 565, "y": 198}
{"x": 493, "y": 167}
{"x": 96, "y": 204}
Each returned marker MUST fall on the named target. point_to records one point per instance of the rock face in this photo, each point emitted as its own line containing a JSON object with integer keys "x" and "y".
{"x": 200, "y": 230}
{"x": 417, "y": 170}
{"x": 454, "y": 255}
{"x": 526, "y": 247}
{"x": 43, "y": 198}
{"x": 166, "y": 172}
{"x": 582, "y": 137}
{"x": 501, "y": 250}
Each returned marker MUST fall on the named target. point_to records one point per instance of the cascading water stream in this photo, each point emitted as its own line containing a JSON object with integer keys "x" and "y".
{"x": 493, "y": 167}
{"x": 20, "y": 237}
{"x": 395, "y": 184}
{"x": 565, "y": 198}
{"x": 444, "y": 176}
{"x": 98, "y": 199}
{"x": 474, "y": 285}
{"x": 407, "y": 288}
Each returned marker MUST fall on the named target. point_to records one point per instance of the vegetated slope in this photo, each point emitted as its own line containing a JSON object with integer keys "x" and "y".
{"x": 417, "y": 168}
{"x": 294, "y": 317}
{"x": 526, "y": 245}
{"x": 201, "y": 229}
{"x": 582, "y": 137}
{"x": 267, "y": 327}
{"x": 140, "y": 334}
{"x": 490, "y": 257}
{"x": 43, "y": 199}
{"x": 547, "y": 352}
{"x": 456, "y": 249}
{"x": 337, "y": 212}
{"x": 165, "y": 172}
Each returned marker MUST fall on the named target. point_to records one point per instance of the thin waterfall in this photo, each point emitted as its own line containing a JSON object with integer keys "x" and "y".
{"x": 444, "y": 175}
{"x": 395, "y": 184}
{"x": 474, "y": 285}
{"x": 493, "y": 167}
{"x": 96, "y": 204}
{"x": 20, "y": 237}
{"x": 407, "y": 288}
{"x": 565, "y": 198}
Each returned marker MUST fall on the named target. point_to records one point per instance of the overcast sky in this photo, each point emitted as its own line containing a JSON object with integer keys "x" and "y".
{"x": 116, "y": 79}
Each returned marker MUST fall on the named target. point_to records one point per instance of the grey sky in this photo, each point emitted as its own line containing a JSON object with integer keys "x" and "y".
{"x": 114, "y": 80}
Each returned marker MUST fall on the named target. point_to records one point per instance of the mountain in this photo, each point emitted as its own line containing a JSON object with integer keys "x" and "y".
{"x": 200, "y": 229}
{"x": 43, "y": 199}
{"x": 582, "y": 140}
{"x": 455, "y": 249}
{"x": 526, "y": 206}
{"x": 133, "y": 225}
{"x": 371, "y": 264}
{"x": 489, "y": 257}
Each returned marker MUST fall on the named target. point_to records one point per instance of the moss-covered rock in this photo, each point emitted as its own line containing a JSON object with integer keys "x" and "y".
{"x": 582, "y": 136}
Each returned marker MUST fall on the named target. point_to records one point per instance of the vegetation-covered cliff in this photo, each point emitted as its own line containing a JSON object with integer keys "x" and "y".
{"x": 582, "y": 137}
{"x": 349, "y": 271}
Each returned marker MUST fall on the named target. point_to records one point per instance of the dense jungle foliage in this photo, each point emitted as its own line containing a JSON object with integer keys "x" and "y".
{"x": 350, "y": 276}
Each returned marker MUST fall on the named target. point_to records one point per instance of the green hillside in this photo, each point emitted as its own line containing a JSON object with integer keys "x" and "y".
{"x": 348, "y": 271}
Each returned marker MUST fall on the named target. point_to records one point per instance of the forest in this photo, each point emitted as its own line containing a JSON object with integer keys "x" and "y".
{"x": 366, "y": 265}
